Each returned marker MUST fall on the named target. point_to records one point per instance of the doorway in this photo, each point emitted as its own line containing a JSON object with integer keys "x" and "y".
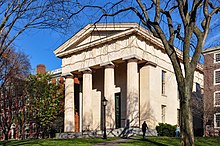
{"x": 117, "y": 110}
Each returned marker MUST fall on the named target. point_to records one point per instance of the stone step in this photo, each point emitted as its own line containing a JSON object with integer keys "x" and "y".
{"x": 120, "y": 132}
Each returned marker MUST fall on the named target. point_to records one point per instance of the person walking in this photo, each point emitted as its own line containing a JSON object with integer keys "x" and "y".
{"x": 177, "y": 131}
{"x": 144, "y": 128}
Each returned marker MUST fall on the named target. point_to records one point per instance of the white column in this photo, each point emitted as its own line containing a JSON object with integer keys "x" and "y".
{"x": 109, "y": 87}
{"x": 87, "y": 100}
{"x": 69, "y": 117}
{"x": 80, "y": 111}
{"x": 146, "y": 82}
{"x": 132, "y": 92}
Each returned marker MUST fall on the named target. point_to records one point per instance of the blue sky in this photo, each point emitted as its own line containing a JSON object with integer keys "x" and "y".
{"x": 40, "y": 44}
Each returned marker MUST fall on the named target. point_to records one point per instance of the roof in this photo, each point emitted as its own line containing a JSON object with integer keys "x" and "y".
{"x": 120, "y": 29}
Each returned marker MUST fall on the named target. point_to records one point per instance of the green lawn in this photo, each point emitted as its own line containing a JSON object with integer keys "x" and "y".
{"x": 56, "y": 142}
{"x": 168, "y": 141}
{"x": 149, "y": 141}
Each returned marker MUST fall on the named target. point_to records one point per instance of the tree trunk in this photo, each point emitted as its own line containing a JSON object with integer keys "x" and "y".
{"x": 187, "y": 135}
{"x": 6, "y": 134}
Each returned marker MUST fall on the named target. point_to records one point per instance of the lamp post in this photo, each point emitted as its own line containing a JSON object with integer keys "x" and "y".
{"x": 104, "y": 103}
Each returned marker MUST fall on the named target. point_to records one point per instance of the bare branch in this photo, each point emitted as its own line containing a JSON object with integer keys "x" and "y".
{"x": 170, "y": 24}
{"x": 157, "y": 11}
{"x": 147, "y": 21}
{"x": 143, "y": 9}
{"x": 199, "y": 45}
{"x": 182, "y": 12}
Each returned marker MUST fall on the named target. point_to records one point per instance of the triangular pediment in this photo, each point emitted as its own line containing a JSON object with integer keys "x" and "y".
{"x": 95, "y": 36}
{"x": 93, "y": 33}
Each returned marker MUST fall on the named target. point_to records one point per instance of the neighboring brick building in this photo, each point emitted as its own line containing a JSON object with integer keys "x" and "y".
{"x": 59, "y": 80}
{"x": 212, "y": 91}
{"x": 41, "y": 68}
{"x": 55, "y": 74}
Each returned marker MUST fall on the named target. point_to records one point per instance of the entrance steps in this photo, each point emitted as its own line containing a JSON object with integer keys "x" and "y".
{"x": 120, "y": 132}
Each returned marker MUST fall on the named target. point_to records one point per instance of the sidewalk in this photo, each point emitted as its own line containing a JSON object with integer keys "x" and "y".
{"x": 112, "y": 143}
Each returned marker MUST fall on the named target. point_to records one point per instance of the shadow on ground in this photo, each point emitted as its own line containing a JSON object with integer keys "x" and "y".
{"x": 149, "y": 141}
{"x": 19, "y": 143}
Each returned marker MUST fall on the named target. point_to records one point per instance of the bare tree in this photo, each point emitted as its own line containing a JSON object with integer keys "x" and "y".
{"x": 172, "y": 21}
{"x": 19, "y": 15}
{"x": 14, "y": 68}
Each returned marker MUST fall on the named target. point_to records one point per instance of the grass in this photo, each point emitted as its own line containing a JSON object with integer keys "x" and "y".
{"x": 55, "y": 142}
{"x": 149, "y": 141}
{"x": 171, "y": 141}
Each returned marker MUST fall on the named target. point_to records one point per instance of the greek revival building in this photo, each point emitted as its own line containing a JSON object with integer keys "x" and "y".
{"x": 125, "y": 64}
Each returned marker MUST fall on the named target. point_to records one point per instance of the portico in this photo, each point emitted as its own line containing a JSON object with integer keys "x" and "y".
{"x": 123, "y": 63}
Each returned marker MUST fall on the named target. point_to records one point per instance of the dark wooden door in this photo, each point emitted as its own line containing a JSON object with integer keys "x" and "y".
{"x": 118, "y": 110}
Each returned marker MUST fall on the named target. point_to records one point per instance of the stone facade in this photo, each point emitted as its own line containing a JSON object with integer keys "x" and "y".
{"x": 210, "y": 88}
{"x": 124, "y": 63}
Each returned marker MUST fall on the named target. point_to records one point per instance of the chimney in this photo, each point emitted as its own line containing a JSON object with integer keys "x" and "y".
{"x": 41, "y": 69}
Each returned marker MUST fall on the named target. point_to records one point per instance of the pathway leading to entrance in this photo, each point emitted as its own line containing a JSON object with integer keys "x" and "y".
{"x": 112, "y": 143}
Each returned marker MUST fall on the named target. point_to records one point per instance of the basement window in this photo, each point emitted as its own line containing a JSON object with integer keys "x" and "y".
{"x": 217, "y": 120}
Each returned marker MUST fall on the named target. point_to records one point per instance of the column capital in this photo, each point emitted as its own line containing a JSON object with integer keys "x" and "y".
{"x": 150, "y": 63}
{"x": 86, "y": 70}
{"x": 132, "y": 60}
{"x": 134, "y": 56}
{"x": 108, "y": 64}
{"x": 67, "y": 75}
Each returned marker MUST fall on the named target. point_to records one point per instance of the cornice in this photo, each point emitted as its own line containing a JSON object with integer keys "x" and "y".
{"x": 211, "y": 50}
{"x": 127, "y": 29}
{"x": 96, "y": 43}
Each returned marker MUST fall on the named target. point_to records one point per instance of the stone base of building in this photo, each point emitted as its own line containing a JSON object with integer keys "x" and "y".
{"x": 121, "y": 132}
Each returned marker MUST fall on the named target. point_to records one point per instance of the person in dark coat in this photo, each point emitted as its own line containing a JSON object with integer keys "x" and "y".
{"x": 144, "y": 128}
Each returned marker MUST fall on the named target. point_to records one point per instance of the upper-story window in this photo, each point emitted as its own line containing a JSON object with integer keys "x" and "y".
{"x": 217, "y": 120}
{"x": 163, "y": 80}
{"x": 217, "y": 98}
{"x": 217, "y": 57}
{"x": 217, "y": 77}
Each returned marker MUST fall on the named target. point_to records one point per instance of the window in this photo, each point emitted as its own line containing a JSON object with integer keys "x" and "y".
{"x": 163, "y": 82}
{"x": 217, "y": 120}
{"x": 163, "y": 113}
{"x": 217, "y": 57}
{"x": 217, "y": 77}
{"x": 198, "y": 88}
{"x": 217, "y": 98}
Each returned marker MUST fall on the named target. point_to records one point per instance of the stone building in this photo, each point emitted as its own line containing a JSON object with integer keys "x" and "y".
{"x": 212, "y": 91}
{"x": 124, "y": 63}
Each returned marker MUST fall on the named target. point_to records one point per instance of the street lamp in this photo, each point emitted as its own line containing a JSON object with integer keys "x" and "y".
{"x": 104, "y": 103}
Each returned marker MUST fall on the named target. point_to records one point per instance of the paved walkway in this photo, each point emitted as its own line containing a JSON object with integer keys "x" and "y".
{"x": 112, "y": 143}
